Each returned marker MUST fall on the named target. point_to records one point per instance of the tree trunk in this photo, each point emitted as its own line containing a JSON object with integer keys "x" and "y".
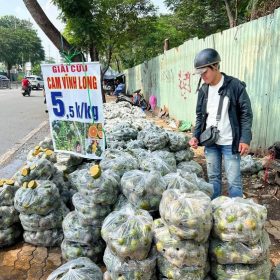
{"x": 236, "y": 13}
{"x": 9, "y": 67}
{"x": 93, "y": 52}
{"x": 166, "y": 45}
{"x": 48, "y": 28}
{"x": 229, "y": 14}
{"x": 104, "y": 71}
{"x": 118, "y": 64}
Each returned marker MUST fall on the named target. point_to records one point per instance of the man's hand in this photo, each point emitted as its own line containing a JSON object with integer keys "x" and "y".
{"x": 243, "y": 148}
{"x": 193, "y": 143}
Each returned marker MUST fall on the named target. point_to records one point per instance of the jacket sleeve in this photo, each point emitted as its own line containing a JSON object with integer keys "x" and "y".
{"x": 246, "y": 117}
{"x": 198, "y": 122}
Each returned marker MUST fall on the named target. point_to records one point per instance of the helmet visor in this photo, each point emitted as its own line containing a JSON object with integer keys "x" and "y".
{"x": 200, "y": 71}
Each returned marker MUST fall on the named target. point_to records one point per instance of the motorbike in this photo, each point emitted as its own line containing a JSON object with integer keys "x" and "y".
{"x": 26, "y": 90}
{"x": 135, "y": 99}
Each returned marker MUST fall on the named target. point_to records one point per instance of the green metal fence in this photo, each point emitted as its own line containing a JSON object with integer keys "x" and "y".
{"x": 249, "y": 52}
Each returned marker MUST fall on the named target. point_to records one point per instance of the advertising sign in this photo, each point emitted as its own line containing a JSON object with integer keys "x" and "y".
{"x": 28, "y": 66}
{"x": 74, "y": 101}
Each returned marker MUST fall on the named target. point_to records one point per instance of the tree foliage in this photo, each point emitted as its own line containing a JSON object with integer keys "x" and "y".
{"x": 202, "y": 18}
{"x": 102, "y": 26}
{"x": 128, "y": 32}
{"x": 150, "y": 42}
{"x": 19, "y": 42}
{"x": 260, "y": 8}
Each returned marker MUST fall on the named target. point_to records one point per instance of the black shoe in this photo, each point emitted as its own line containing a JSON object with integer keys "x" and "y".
{"x": 46, "y": 111}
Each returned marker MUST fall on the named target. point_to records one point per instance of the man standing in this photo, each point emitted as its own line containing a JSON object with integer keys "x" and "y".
{"x": 234, "y": 124}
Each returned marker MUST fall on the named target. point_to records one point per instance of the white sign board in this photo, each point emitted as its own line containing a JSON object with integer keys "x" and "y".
{"x": 74, "y": 101}
{"x": 28, "y": 66}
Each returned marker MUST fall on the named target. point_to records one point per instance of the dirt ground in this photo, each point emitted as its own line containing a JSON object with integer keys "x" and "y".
{"x": 26, "y": 262}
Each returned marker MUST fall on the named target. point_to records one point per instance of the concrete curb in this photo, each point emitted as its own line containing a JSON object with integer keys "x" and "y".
{"x": 5, "y": 157}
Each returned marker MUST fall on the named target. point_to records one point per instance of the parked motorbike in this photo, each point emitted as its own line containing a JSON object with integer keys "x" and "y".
{"x": 136, "y": 99}
{"x": 26, "y": 90}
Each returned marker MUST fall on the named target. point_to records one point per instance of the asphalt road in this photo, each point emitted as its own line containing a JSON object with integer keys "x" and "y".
{"x": 19, "y": 116}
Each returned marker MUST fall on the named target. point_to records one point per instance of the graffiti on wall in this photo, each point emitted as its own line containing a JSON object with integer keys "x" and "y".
{"x": 184, "y": 78}
{"x": 167, "y": 76}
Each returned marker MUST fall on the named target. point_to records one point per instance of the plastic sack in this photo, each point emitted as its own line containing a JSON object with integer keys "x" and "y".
{"x": 187, "y": 215}
{"x": 121, "y": 202}
{"x": 176, "y": 251}
{"x": 260, "y": 271}
{"x": 275, "y": 274}
{"x": 65, "y": 189}
{"x": 41, "y": 200}
{"x": 178, "y": 141}
{"x": 202, "y": 185}
{"x": 156, "y": 163}
{"x": 143, "y": 189}
{"x": 8, "y": 216}
{"x": 128, "y": 233}
{"x": 41, "y": 153}
{"x": 48, "y": 238}
{"x": 237, "y": 252}
{"x": 166, "y": 156}
{"x": 184, "y": 155}
{"x": 115, "y": 144}
{"x": 72, "y": 250}
{"x": 250, "y": 165}
{"x": 10, "y": 235}
{"x": 103, "y": 190}
{"x": 113, "y": 154}
{"x": 184, "y": 273}
{"x": 75, "y": 232}
{"x": 120, "y": 165}
{"x": 41, "y": 169}
{"x": 123, "y": 131}
{"x": 205, "y": 187}
{"x": 60, "y": 180}
{"x": 7, "y": 193}
{"x": 139, "y": 153}
{"x": 135, "y": 144}
{"x": 73, "y": 178}
{"x": 154, "y": 138}
{"x": 131, "y": 269}
{"x": 176, "y": 181}
{"x": 190, "y": 167}
{"x": 238, "y": 219}
{"x": 35, "y": 222}
{"x": 67, "y": 162}
{"x": 47, "y": 143}
{"x": 78, "y": 269}
{"x": 87, "y": 211}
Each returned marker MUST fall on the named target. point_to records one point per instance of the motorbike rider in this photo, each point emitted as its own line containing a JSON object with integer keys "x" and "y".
{"x": 26, "y": 85}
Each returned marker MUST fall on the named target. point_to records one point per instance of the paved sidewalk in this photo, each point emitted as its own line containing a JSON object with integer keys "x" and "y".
{"x": 27, "y": 262}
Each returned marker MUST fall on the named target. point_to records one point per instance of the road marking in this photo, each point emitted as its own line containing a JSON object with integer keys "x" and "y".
{"x": 16, "y": 147}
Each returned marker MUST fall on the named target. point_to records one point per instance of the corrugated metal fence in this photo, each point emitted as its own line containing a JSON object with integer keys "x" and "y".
{"x": 250, "y": 52}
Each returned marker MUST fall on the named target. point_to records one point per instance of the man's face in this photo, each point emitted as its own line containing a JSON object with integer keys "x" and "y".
{"x": 209, "y": 75}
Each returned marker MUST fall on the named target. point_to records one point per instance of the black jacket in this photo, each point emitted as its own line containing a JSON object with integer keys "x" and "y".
{"x": 240, "y": 111}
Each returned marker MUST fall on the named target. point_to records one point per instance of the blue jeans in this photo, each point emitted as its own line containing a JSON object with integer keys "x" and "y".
{"x": 214, "y": 156}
